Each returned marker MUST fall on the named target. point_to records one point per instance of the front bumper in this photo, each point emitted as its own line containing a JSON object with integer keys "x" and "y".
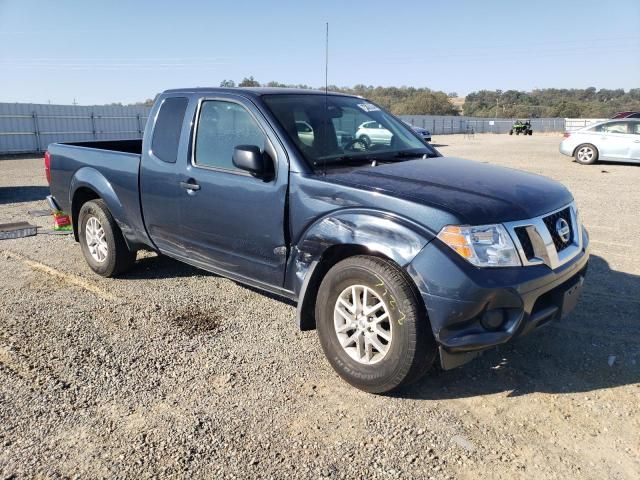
{"x": 458, "y": 295}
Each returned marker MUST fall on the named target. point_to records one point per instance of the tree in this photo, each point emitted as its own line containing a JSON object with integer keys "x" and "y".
{"x": 249, "y": 82}
{"x": 549, "y": 102}
{"x": 227, "y": 83}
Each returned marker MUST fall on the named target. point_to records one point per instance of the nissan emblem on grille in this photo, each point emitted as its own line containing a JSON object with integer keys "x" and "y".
{"x": 564, "y": 232}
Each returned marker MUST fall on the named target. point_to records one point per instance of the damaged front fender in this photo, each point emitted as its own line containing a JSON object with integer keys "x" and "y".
{"x": 352, "y": 230}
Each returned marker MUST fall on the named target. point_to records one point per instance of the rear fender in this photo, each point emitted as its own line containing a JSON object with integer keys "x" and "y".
{"x": 92, "y": 179}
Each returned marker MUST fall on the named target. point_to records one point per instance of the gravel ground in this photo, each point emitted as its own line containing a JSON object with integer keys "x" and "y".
{"x": 173, "y": 372}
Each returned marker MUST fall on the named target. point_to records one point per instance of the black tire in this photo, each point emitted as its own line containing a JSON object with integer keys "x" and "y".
{"x": 412, "y": 348}
{"x": 586, "y": 154}
{"x": 510, "y": 132}
{"x": 118, "y": 257}
{"x": 365, "y": 139}
{"x": 530, "y": 132}
{"x": 517, "y": 132}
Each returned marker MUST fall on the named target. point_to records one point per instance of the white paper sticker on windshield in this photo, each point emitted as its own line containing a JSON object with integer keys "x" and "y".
{"x": 368, "y": 107}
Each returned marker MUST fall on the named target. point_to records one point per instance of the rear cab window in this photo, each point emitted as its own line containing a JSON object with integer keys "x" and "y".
{"x": 166, "y": 132}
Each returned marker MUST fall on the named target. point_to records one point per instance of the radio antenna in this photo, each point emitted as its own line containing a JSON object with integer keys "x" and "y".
{"x": 326, "y": 60}
{"x": 325, "y": 123}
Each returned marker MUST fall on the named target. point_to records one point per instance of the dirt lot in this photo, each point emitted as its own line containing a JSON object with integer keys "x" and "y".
{"x": 171, "y": 371}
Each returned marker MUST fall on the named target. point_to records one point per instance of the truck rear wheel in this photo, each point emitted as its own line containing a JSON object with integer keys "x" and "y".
{"x": 372, "y": 326}
{"x": 101, "y": 240}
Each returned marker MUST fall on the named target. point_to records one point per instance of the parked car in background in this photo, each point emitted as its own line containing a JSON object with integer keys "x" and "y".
{"x": 373, "y": 133}
{"x": 307, "y": 137}
{"x": 626, "y": 115}
{"x": 423, "y": 132}
{"x": 305, "y": 132}
{"x": 613, "y": 140}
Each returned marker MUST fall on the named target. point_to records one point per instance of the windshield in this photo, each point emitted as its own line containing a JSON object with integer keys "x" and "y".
{"x": 337, "y": 130}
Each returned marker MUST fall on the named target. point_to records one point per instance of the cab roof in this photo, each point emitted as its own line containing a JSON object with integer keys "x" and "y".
{"x": 257, "y": 91}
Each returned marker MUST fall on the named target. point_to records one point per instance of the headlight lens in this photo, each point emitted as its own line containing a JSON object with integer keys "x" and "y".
{"x": 483, "y": 246}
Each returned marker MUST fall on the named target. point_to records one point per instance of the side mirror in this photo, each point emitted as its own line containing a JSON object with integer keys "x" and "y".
{"x": 250, "y": 159}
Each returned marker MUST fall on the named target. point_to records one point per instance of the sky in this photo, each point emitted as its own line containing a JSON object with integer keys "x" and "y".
{"x": 95, "y": 52}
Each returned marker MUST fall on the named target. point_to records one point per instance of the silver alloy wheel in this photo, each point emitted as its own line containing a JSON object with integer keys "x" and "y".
{"x": 585, "y": 154}
{"x": 96, "y": 241}
{"x": 363, "y": 325}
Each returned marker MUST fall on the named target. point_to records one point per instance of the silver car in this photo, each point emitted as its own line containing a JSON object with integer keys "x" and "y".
{"x": 613, "y": 140}
{"x": 373, "y": 133}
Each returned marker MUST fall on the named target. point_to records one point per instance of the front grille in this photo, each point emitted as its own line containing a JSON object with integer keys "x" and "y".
{"x": 525, "y": 242}
{"x": 550, "y": 222}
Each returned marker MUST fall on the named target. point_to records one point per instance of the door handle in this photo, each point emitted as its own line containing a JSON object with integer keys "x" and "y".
{"x": 190, "y": 185}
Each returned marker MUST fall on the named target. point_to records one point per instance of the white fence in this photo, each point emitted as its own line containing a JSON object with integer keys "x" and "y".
{"x": 28, "y": 128}
{"x": 578, "y": 123}
{"x": 443, "y": 125}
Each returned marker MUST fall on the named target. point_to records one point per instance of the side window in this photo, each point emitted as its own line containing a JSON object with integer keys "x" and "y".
{"x": 166, "y": 133}
{"x": 613, "y": 127}
{"x": 635, "y": 128}
{"x": 221, "y": 127}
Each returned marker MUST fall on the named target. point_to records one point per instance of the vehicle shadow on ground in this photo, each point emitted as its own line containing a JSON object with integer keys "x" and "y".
{"x": 610, "y": 163}
{"x": 27, "y": 193}
{"x": 596, "y": 347}
{"x": 438, "y": 145}
{"x": 159, "y": 267}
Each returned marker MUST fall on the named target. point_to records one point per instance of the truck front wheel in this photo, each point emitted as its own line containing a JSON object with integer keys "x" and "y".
{"x": 372, "y": 326}
{"x": 101, "y": 240}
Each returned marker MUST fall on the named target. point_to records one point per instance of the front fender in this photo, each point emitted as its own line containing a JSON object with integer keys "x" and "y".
{"x": 378, "y": 232}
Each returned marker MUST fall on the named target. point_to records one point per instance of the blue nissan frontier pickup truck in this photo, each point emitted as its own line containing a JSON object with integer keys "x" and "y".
{"x": 396, "y": 255}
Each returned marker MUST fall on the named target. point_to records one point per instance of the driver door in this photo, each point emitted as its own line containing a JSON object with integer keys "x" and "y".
{"x": 234, "y": 222}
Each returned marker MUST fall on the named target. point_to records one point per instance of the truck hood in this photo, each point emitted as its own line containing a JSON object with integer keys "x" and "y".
{"x": 477, "y": 193}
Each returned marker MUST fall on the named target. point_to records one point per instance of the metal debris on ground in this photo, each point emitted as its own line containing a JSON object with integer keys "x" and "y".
{"x": 55, "y": 232}
{"x": 17, "y": 230}
{"x": 39, "y": 213}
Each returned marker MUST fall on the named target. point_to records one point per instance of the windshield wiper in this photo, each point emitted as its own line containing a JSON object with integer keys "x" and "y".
{"x": 403, "y": 154}
{"x": 348, "y": 159}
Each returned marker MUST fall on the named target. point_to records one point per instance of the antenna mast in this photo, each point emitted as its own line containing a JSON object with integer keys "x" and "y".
{"x": 326, "y": 60}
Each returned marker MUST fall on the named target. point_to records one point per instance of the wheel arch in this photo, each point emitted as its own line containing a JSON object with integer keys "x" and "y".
{"x": 81, "y": 196}
{"x": 337, "y": 237}
{"x": 89, "y": 184}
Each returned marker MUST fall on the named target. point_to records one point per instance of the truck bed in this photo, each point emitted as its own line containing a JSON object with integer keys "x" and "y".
{"x": 127, "y": 146}
{"x": 106, "y": 169}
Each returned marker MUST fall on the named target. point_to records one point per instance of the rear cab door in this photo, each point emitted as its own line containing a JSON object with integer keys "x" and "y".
{"x": 233, "y": 222}
{"x": 163, "y": 149}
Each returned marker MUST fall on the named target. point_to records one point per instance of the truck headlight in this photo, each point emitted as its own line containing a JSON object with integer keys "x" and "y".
{"x": 483, "y": 246}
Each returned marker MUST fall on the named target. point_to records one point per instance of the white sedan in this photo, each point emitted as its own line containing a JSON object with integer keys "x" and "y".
{"x": 373, "y": 133}
{"x": 613, "y": 140}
